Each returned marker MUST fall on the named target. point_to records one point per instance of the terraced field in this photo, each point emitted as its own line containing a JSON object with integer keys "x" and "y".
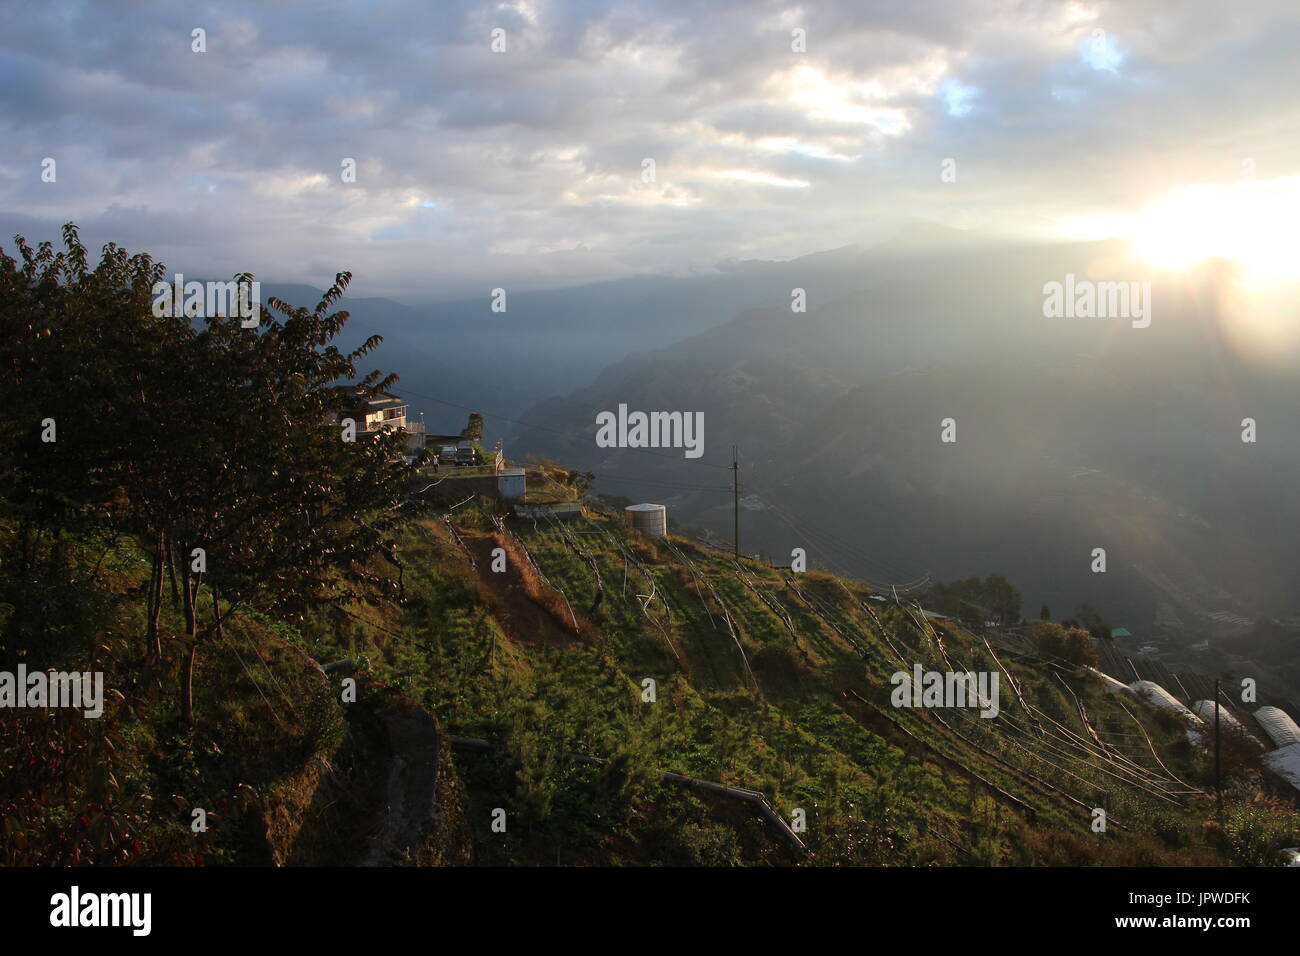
{"x": 665, "y": 656}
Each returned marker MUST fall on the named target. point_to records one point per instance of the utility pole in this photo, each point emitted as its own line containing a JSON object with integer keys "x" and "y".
{"x": 1218, "y": 783}
{"x": 735, "y": 492}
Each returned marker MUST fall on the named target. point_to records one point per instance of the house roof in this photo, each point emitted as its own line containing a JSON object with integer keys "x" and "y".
{"x": 378, "y": 400}
{"x": 1120, "y": 632}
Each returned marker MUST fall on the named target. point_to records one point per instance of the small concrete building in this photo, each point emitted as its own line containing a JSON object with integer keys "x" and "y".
{"x": 510, "y": 484}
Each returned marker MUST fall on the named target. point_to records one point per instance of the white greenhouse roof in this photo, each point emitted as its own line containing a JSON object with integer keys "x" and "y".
{"x": 1109, "y": 683}
{"x": 1204, "y": 709}
{"x": 1285, "y": 762}
{"x": 1157, "y": 696}
{"x": 1279, "y": 726}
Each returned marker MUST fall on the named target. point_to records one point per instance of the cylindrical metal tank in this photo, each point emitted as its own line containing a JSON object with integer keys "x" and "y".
{"x": 649, "y": 519}
{"x": 1279, "y": 726}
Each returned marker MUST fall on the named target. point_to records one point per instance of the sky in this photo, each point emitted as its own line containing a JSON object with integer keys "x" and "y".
{"x": 774, "y": 129}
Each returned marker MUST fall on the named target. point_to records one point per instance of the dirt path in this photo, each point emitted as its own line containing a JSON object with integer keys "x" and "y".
{"x": 519, "y": 615}
{"x": 405, "y": 738}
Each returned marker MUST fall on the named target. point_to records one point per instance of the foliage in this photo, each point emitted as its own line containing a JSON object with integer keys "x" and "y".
{"x": 1091, "y": 621}
{"x": 1067, "y": 643}
{"x": 204, "y": 440}
{"x": 765, "y": 680}
{"x": 974, "y": 601}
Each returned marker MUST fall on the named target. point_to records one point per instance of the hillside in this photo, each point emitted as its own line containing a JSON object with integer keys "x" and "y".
{"x": 570, "y": 335}
{"x": 283, "y": 773}
{"x": 299, "y": 648}
{"x": 766, "y": 681}
{"x": 777, "y": 683}
{"x": 1071, "y": 434}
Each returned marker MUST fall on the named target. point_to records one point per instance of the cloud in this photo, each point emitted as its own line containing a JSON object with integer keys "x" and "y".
{"x": 478, "y": 169}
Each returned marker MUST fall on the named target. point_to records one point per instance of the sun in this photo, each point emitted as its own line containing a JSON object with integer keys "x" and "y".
{"x": 1251, "y": 222}
{"x": 1249, "y": 225}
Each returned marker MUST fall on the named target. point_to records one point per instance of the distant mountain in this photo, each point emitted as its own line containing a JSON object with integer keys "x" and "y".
{"x": 1069, "y": 430}
{"x": 549, "y": 342}
{"x": 1051, "y": 463}
{"x": 1072, "y": 433}
{"x": 416, "y": 354}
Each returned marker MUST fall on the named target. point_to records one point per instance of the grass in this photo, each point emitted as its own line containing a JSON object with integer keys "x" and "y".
{"x": 123, "y": 789}
{"x": 909, "y": 795}
{"x": 791, "y": 699}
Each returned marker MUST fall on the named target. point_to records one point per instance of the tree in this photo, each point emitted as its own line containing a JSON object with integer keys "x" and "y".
{"x": 1066, "y": 643}
{"x": 1091, "y": 621}
{"x": 1045, "y": 613}
{"x": 1239, "y": 752}
{"x": 474, "y": 429}
{"x": 283, "y": 507}
{"x": 962, "y": 599}
{"x": 81, "y": 353}
{"x": 1003, "y": 600}
{"x": 77, "y": 347}
{"x": 975, "y": 602}
{"x": 205, "y": 440}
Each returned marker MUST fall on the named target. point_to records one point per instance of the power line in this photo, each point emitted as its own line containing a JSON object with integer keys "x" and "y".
{"x": 735, "y": 489}
{"x": 667, "y": 484}
{"x": 825, "y": 539}
{"x": 875, "y": 565}
{"x": 842, "y": 569}
{"x": 828, "y": 540}
{"x": 892, "y": 570}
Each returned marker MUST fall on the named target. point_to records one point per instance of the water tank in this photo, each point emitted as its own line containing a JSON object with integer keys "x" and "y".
{"x": 1279, "y": 726}
{"x": 650, "y": 520}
